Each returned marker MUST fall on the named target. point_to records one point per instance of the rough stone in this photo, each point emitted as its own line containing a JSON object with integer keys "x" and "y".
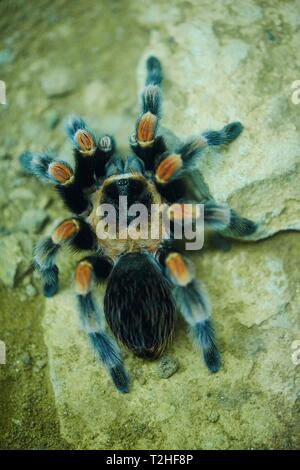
{"x": 40, "y": 364}
{"x": 252, "y": 287}
{"x": 30, "y": 290}
{"x": 266, "y": 157}
{"x": 167, "y": 367}
{"x": 97, "y": 90}
{"x": 22, "y": 193}
{"x": 26, "y": 359}
{"x": 52, "y": 119}
{"x": 223, "y": 61}
{"x": 4, "y": 154}
{"x": 213, "y": 417}
{"x": 33, "y": 220}
{"x": 257, "y": 377}
{"x": 58, "y": 82}
{"x": 44, "y": 201}
{"x": 16, "y": 257}
{"x": 6, "y": 57}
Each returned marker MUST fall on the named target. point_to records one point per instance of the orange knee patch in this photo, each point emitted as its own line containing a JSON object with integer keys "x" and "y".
{"x": 146, "y": 127}
{"x": 194, "y": 146}
{"x": 65, "y": 231}
{"x": 178, "y": 269}
{"x": 83, "y": 277}
{"x": 61, "y": 173}
{"x": 85, "y": 142}
{"x": 167, "y": 168}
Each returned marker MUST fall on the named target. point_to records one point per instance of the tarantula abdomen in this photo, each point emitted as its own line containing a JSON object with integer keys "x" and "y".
{"x": 139, "y": 305}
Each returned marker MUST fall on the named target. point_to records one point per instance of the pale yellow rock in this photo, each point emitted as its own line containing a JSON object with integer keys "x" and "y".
{"x": 221, "y": 64}
{"x": 249, "y": 287}
{"x": 222, "y": 61}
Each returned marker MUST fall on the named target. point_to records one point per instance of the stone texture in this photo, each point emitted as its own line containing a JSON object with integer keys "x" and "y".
{"x": 33, "y": 220}
{"x": 213, "y": 77}
{"x": 15, "y": 256}
{"x": 167, "y": 367}
{"x": 222, "y": 61}
{"x": 6, "y": 57}
{"x": 57, "y": 82}
{"x": 254, "y": 396}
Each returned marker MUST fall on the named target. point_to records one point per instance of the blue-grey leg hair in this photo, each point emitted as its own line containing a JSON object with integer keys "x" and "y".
{"x": 104, "y": 346}
{"x": 70, "y": 186}
{"x": 222, "y": 219}
{"x": 44, "y": 260}
{"x": 154, "y": 71}
{"x": 226, "y": 135}
{"x": 151, "y": 94}
{"x": 114, "y": 166}
{"x": 133, "y": 164}
{"x": 46, "y": 167}
{"x": 195, "y": 308}
{"x": 75, "y": 124}
{"x": 71, "y": 232}
{"x": 193, "y": 305}
{"x": 92, "y": 319}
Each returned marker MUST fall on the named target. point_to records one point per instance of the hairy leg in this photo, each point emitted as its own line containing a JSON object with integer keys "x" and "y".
{"x": 89, "y": 271}
{"x": 90, "y": 156}
{"x": 226, "y": 221}
{"x": 90, "y": 161}
{"x": 71, "y": 232}
{"x": 46, "y": 168}
{"x": 145, "y": 142}
{"x": 226, "y": 135}
{"x": 193, "y": 305}
{"x": 171, "y": 168}
{"x": 217, "y": 217}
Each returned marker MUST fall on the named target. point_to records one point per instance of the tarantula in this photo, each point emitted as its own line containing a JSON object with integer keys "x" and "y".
{"x": 147, "y": 280}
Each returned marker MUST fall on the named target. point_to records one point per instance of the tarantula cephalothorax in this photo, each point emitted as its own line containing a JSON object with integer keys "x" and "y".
{"x": 147, "y": 280}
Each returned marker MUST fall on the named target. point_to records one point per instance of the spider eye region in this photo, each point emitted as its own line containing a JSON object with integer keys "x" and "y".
{"x": 134, "y": 189}
{"x": 122, "y": 186}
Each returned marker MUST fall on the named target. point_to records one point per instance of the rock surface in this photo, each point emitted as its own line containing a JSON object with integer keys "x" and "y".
{"x": 33, "y": 220}
{"x": 167, "y": 367}
{"x": 15, "y": 256}
{"x": 6, "y": 57}
{"x": 252, "y": 288}
{"x": 215, "y": 78}
{"x": 58, "y": 82}
{"x": 223, "y": 61}
{"x": 255, "y": 395}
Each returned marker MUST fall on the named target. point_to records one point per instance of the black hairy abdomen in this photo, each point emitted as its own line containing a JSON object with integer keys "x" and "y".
{"x": 139, "y": 305}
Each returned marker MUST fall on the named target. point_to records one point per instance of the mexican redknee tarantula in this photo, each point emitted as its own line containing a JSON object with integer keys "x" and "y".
{"x": 147, "y": 280}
